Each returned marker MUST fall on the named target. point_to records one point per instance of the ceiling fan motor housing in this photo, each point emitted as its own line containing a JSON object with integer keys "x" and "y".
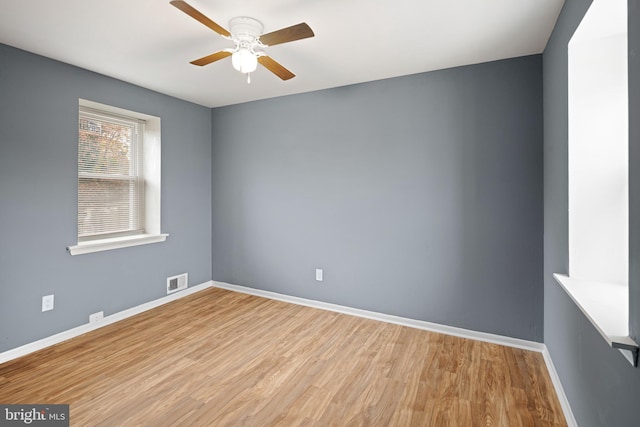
{"x": 245, "y": 29}
{"x": 245, "y": 32}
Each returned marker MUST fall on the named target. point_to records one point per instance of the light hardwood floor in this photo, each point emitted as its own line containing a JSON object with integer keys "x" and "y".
{"x": 221, "y": 358}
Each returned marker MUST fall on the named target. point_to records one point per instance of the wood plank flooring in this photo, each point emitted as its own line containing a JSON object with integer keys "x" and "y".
{"x": 221, "y": 358}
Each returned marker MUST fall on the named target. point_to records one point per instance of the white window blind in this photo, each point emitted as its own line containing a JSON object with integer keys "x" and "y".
{"x": 110, "y": 179}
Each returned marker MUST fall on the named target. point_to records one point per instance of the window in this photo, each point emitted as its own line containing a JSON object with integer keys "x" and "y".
{"x": 598, "y": 173}
{"x": 110, "y": 176}
{"x": 598, "y": 145}
{"x": 118, "y": 178}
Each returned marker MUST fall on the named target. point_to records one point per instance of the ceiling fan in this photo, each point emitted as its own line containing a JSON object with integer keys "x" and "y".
{"x": 250, "y": 43}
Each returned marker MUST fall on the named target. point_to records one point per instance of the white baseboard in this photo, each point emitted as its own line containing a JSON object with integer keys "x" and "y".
{"x": 418, "y": 324}
{"x": 562, "y": 397}
{"x": 83, "y": 329}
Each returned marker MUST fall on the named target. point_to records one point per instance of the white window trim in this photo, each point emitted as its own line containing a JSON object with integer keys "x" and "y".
{"x": 115, "y": 243}
{"x": 605, "y": 304}
{"x": 151, "y": 161}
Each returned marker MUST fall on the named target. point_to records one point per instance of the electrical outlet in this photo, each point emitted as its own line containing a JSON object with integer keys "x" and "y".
{"x": 47, "y": 303}
{"x": 96, "y": 317}
{"x": 319, "y": 275}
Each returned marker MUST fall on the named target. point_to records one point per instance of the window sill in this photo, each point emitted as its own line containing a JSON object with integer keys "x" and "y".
{"x": 115, "y": 243}
{"x": 606, "y": 305}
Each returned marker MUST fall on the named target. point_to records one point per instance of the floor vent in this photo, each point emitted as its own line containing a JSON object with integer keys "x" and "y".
{"x": 177, "y": 283}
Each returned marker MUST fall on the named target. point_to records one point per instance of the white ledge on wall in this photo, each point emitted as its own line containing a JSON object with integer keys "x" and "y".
{"x": 606, "y": 305}
{"x": 115, "y": 243}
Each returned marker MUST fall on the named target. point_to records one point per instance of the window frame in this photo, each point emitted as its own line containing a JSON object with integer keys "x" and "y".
{"x": 134, "y": 177}
{"x": 598, "y": 277}
{"x": 150, "y": 158}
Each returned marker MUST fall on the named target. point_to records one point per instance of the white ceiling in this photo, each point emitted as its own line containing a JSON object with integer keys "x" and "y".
{"x": 150, "y": 42}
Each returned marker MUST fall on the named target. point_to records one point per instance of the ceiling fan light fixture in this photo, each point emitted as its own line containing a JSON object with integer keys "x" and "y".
{"x": 244, "y": 61}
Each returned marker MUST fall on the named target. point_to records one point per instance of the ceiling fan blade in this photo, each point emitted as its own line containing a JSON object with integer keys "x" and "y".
{"x": 275, "y": 67}
{"x": 198, "y": 16}
{"x": 211, "y": 58}
{"x": 289, "y": 34}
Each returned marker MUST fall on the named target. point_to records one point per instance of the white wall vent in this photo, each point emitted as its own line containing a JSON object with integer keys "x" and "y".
{"x": 177, "y": 283}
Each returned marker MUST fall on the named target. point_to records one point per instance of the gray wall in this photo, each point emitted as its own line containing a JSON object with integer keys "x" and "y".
{"x": 38, "y": 194}
{"x": 419, "y": 196}
{"x": 600, "y": 384}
